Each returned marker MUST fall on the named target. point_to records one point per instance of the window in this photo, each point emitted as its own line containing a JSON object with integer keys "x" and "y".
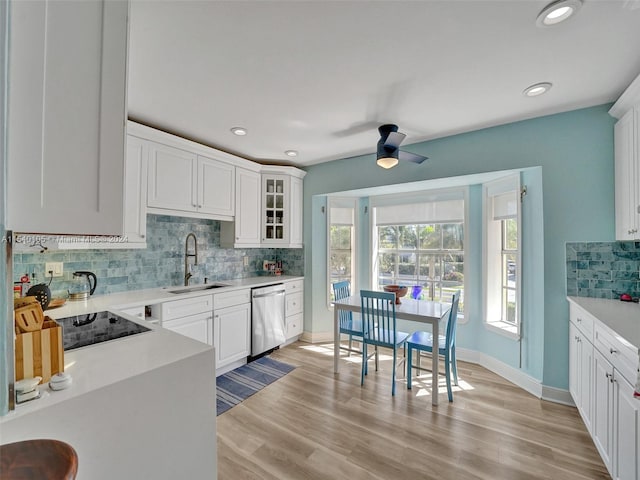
{"x": 429, "y": 255}
{"x": 420, "y": 243}
{"x": 341, "y": 226}
{"x": 502, "y": 247}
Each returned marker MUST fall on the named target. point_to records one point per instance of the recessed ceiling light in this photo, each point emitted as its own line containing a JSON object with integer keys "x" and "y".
{"x": 536, "y": 89}
{"x": 240, "y": 131}
{"x": 557, "y": 12}
{"x": 291, "y": 153}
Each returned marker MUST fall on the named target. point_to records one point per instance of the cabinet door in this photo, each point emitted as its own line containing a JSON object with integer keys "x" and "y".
{"x": 216, "y": 187}
{"x": 295, "y": 324}
{"x": 172, "y": 178}
{"x": 585, "y": 379}
{"x": 574, "y": 364}
{"x": 602, "y": 424}
{"x": 627, "y": 431}
{"x": 247, "y": 220}
{"x": 295, "y": 231}
{"x": 135, "y": 190}
{"x": 67, "y": 112}
{"x": 626, "y": 177}
{"x": 197, "y": 327}
{"x": 232, "y": 333}
{"x": 275, "y": 210}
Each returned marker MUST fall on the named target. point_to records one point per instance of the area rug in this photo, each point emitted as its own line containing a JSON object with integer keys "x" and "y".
{"x": 237, "y": 385}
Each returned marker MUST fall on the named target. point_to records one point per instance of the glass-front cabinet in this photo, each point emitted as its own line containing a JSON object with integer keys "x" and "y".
{"x": 276, "y": 193}
{"x": 282, "y": 206}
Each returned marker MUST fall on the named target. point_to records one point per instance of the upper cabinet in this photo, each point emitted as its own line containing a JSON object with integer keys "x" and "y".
{"x": 185, "y": 179}
{"x": 67, "y": 112}
{"x": 627, "y": 163}
{"x": 244, "y": 232}
{"x": 282, "y": 206}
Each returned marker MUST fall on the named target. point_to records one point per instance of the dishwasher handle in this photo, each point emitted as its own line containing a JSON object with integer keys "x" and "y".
{"x": 270, "y": 294}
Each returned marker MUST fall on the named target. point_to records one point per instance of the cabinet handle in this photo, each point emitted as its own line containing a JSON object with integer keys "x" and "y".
{"x": 199, "y": 206}
{"x": 612, "y": 351}
{"x": 579, "y": 319}
{"x": 141, "y": 236}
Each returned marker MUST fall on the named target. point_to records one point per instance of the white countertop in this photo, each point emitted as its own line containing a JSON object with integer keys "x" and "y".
{"x": 96, "y": 366}
{"x": 621, "y": 317}
{"x": 134, "y": 298}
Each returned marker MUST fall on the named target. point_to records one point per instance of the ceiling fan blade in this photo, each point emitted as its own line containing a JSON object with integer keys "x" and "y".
{"x": 394, "y": 139}
{"x": 411, "y": 157}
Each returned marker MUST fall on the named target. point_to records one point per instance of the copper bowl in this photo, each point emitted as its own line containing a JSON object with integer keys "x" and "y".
{"x": 399, "y": 290}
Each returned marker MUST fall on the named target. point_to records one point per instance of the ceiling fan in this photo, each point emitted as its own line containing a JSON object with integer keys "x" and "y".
{"x": 389, "y": 152}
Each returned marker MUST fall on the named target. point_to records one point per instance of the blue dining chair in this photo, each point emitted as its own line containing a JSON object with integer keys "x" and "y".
{"x": 349, "y": 324}
{"x": 423, "y": 342}
{"x": 379, "y": 328}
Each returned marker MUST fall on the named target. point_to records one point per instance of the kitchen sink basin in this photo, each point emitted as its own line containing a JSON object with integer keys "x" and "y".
{"x": 198, "y": 288}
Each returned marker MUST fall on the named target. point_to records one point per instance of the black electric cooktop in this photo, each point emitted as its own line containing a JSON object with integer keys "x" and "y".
{"x": 82, "y": 330}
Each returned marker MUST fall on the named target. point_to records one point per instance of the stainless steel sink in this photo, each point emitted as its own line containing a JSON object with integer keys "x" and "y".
{"x": 197, "y": 288}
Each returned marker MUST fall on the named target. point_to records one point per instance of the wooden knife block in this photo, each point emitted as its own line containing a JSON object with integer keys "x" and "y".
{"x": 40, "y": 353}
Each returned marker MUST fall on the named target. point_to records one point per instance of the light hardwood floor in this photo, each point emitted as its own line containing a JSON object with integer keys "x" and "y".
{"x": 312, "y": 424}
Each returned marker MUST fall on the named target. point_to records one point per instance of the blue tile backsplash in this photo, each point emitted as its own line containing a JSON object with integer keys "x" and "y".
{"x": 603, "y": 269}
{"x": 162, "y": 262}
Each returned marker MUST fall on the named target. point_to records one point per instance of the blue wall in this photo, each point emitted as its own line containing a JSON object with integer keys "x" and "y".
{"x": 575, "y": 153}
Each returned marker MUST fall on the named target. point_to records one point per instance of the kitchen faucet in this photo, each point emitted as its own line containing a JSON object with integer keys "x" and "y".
{"x": 187, "y": 273}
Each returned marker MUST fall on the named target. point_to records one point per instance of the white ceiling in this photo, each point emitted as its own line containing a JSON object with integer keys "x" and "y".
{"x": 319, "y": 77}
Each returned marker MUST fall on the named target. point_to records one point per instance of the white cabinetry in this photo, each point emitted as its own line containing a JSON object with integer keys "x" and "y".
{"x": 191, "y": 317}
{"x": 627, "y": 162}
{"x": 135, "y": 191}
{"x": 172, "y": 179}
{"x": 182, "y": 182}
{"x": 282, "y": 207}
{"x": 627, "y": 175}
{"x": 294, "y": 309}
{"x": 605, "y": 396}
{"x": 185, "y": 180}
{"x": 232, "y": 329}
{"x": 244, "y": 232}
{"x": 67, "y": 111}
{"x": 581, "y": 366}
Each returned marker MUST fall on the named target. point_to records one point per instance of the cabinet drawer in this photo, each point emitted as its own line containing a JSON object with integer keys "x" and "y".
{"x": 186, "y": 307}
{"x": 294, "y": 304}
{"x": 583, "y": 320}
{"x": 294, "y": 286}
{"x": 295, "y": 324}
{"x": 622, "y": 355}
{"x": 229, "y": 299}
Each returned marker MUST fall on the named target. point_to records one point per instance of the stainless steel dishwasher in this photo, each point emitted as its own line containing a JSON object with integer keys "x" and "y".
{"x": 267, "y": 318}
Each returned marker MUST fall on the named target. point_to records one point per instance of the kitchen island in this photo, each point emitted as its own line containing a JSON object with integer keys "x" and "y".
{"x": 141, "y": 406}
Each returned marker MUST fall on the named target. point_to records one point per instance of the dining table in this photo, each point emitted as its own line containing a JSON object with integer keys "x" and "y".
{"x": 422, "y": 311}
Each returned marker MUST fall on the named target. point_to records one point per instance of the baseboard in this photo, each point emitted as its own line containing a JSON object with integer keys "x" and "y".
{"x": 515, "y": 376}
{"x": 317, "y": 337}
{"x": 557, "y": 395}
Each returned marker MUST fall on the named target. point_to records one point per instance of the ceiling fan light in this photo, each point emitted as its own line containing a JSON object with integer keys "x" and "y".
{"x": 387, "y": 162}
{"x": 557, "y": 12}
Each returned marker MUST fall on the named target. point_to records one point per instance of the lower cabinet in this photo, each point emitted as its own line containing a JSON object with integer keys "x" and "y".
{"x": 627, "y": 430}
{"x": 598, "y": 363}
{"x": 602, "y": 423}
{"x": 581, "y": 365}
{"x": 231, "y": 328}
{"x": 294, "y": 309}
{"x": 197, "y": 327}
{"x": 191, "y": 317}
{"x": 232, "y": 334}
